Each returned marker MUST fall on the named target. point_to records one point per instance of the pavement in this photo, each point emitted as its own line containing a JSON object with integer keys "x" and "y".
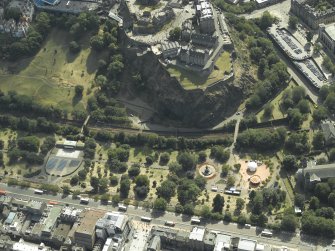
{"x": 182, "y": 221}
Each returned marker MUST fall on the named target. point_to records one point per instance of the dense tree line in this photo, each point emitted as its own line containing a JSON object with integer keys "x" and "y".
{"x": 107, "y": 110}
{"x": 23, "y": 104}
{"x": 261, "y": 140}
{"x": 161, "y": 142}
{"x": 40, "y": 124}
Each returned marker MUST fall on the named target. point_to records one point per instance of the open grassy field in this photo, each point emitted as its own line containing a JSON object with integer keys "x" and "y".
{"x": 190, "y": 80}
{"x": 50, "y": 76}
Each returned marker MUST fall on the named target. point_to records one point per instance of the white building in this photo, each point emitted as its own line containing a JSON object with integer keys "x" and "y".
{"x": 252, "y": 166}
{"x": 27, "y": 246}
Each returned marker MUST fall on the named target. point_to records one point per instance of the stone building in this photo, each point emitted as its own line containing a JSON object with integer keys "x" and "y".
{"x": 194, "y": 56}
{"x": 170, "y": 49}
{"x": 205, "y": 16}
{"x": 327, "y": 38}
{"x": 205, "y": 40}
{"x": 186, "y": 30}
{"x": 311, "y": 16}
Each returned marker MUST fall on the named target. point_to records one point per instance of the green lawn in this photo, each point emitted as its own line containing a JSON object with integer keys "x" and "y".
{"x": 50, "y": 76}
{"x": 277, "y": 113}
{"x": 190, "y": 80}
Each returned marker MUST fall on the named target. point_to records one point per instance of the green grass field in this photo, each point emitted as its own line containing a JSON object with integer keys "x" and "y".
{"x": 277, "y": 113}
{"x": 50, "y": 76}
{"x": 190, "y": 80}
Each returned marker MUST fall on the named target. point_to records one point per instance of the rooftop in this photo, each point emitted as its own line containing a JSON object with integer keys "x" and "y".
{"x": 328, "y": 130}
{"x": 27, "y": 246}
{"x": 197, "y": 234}
{"x": 52, "y": 218}
{"x": 320, "y": 171}
{"x": 88, "y": 219}
{"x": 246, "y": 245}
{"x": 330, "y": 30}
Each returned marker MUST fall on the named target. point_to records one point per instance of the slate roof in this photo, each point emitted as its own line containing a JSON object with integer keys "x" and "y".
{"x": 320, "y": 171}
{"x": 328, "y": 130}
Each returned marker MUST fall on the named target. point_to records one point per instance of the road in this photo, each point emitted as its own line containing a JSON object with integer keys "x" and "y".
{"x": 159, "y": 218}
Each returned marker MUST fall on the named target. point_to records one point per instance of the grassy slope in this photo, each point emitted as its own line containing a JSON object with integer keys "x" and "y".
{"x": 50, "y": 77}
{"x": 190, "y": 80}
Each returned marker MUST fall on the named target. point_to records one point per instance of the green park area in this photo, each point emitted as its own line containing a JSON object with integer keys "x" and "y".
{"x": 190, "y": 80}
{"x": 279, "y": 112}
{"x": 51, "y": 75}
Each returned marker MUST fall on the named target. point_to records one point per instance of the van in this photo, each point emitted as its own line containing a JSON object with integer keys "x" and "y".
{"x": 248, "y": 226}
{"x": 170, "y": 223}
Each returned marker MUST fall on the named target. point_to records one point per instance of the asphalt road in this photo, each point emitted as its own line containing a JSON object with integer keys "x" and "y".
{"x": 159, "y": 218}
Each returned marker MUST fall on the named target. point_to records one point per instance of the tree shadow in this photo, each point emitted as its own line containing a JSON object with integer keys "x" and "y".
{"x": 76, "y": 99}
{"x": 70, "y": 57}
{"x": 92, "y": 61}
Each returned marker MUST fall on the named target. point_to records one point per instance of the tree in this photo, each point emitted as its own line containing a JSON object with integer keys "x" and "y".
{"x": 230, "y": 181}
{"x": 266, "y": 20}
{"x": 187, "y": 160}
{"x": 97, "y": 42}
{"x": 116, "y": 199}
{"x": 268, "y": 109}
{"x": 74, "y": 47}
{"x": 299, "y": 201}
{"x": 124, "y": 188}
{"x": 174, "y": 34}
{"x": 29, "y": 143}
{"x": 298, "y": 93}
{"x": 167, "y": 190}
{"x": 142, "y": 186}
{"x": 322, "y": 191}
{"x": 134, "y": 171}
{"x": 330, "y": 102}
{"x": 225, "y": 170}
{"x": 331, "y": 199}
{"x": 303, "y": 106}
{"x": 295, "y": 118}
{"x": 202, "y": 156}
{"x": 75, "y": 194}
{"x": 78, "y": 89}
{"x": 242, "y": 219}
{"x": 114, "y": 180}
{"x": 74, "y": 180}
{"x": 164, "y": 158}
{"x": 290, "y": 163}
{"x": 179, "y": 209}
{"x": 105, "y": 197}
{"x": 314, "y": 203}
{"x": 220, "y": 154}
{"x": 188, "y": 209}
{"x": 331, "y": 154}
{"x": 160, "y": 204}
{"x": 292, "y": 22}
{"x": 239, "y": 204}
{"x": 289, "y": 223}
{"x": 325, "y": 212}
{"x": 218, "y": 203}
{"x": 103, "y": 185}
{"x": 66, "y": 189}
{"x": 95, "y": 183}
{"x": 319, "y": 114}
{"x": 318, "y": 141}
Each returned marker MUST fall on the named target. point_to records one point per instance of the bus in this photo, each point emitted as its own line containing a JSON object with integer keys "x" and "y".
{"x": 38, "y": 191}
{"x": 3, "y": 192}
{"x": 266, "y": 233}
{"x": 84, "y": 200}
{"x": 146, "y": 219}
{"x": 170, "y": 223}
{"x": 195, "y": 220}
{"x": 122, "y": 208}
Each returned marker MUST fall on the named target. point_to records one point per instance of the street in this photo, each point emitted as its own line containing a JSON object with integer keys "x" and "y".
{"x": 159, "y": 218}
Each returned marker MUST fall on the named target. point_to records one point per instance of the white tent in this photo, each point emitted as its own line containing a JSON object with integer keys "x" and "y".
{"x": 252, "y": 166}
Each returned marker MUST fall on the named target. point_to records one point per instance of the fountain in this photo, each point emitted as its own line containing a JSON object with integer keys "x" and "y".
{"x": 207, "y": 170}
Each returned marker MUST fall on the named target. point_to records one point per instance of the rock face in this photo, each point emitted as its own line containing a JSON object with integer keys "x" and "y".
{"x": 173, "y": 104}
